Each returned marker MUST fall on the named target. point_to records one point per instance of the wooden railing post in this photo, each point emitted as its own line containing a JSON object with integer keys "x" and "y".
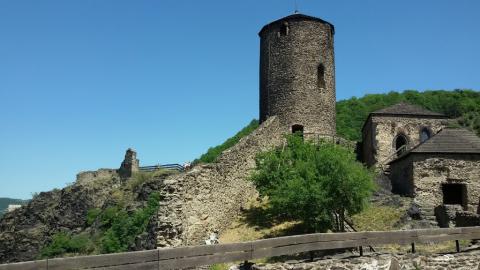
{"x": 413, "y": 248}
{"x": 457, "y": 245}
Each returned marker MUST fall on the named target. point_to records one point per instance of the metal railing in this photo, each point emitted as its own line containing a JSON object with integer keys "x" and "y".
{"x": 176, "y": 167}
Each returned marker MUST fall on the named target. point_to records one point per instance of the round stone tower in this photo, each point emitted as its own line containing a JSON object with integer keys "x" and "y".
{"x": 297, "y": 74}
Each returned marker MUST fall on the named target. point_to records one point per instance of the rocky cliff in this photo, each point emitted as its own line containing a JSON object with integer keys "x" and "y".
{"x": 24, "y": 231}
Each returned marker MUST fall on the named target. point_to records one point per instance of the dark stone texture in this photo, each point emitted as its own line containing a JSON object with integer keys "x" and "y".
{"x": 290, "y": 86}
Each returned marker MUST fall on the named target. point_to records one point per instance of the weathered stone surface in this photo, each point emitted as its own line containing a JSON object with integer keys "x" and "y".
{"x": 431, "y": 172}
{"x": 297, "y": 74}
{"x": 460, "y": 261}
{"x": 422, "y": 176}
{"x": 380, "y": 132}
{"x": 209, "y": 196}
{"x": 24, "y": 231}
{"x": 130, "y": 164}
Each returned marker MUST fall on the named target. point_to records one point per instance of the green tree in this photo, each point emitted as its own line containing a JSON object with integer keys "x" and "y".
{"x": 314, "y": 183}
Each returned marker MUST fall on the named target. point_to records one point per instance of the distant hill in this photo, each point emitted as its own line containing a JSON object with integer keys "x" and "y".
{"x": 4, "y": 202}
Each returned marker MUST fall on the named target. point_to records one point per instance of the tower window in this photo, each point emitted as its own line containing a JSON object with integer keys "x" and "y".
{"x": 425, "y": 134}
{"x": 321, "y": 76}
{"x": 297, "y": 130}
{"x": 284, "y": 29}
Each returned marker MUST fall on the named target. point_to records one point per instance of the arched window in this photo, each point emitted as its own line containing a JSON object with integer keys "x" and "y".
{"x": 321, "y": 76}
{"x": 425, "y": 134}
{"x": 297, "y": 130}
{"x": 284, "y": 29}
{"x": 401, "y": 143}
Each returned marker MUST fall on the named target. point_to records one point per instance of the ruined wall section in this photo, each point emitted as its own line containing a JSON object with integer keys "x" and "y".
{"x": 431, "y": 172}
{"x": 387, "y": 128}
{"x": 209, "y": 196}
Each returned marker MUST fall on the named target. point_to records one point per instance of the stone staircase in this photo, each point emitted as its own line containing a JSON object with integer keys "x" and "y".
{"x": 427, "y": 214}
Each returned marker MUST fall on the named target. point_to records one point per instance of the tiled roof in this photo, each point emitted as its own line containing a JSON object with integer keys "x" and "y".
{"x": 450, "y": 140}
{"x": 447, "y": 141}
{"x": 404, "y": 108}
{"x": 297, "y": 16}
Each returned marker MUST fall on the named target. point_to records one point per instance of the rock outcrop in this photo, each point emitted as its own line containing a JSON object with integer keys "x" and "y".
{"x": 24, "y": 231}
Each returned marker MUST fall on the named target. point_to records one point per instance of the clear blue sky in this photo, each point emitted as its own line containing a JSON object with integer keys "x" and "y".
{"x": 81, "y": 81}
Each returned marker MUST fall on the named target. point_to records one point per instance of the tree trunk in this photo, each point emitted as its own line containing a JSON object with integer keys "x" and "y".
{"x": 342, "y": 220}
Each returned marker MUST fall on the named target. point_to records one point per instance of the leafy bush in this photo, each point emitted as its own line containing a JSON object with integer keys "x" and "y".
{"x": 313, "y": 183}
{"x": 121, "y": 228}
{"x": 213, "y": 152}
{"x": 63, "y": 243}
{"x": 92, "y": 215}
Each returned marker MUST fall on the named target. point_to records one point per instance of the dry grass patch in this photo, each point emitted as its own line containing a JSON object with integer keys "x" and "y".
{"x": 378, "y": 218}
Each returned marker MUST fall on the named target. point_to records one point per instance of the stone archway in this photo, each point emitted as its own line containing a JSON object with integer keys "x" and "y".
{"x": 400, "y": 144}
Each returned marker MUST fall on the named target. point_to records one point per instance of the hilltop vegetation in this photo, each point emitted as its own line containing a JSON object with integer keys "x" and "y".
{"x": 213, "y": 152}
{"x": 463, "y": 105}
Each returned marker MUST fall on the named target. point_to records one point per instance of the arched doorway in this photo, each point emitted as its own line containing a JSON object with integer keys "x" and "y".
{"x": 401, "y": 143}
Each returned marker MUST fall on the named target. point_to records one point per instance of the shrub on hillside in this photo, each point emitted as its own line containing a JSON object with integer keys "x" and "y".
{"x": 314, "y": 183}
{"x": 63, "y": 243}
{"x": 121, "y": 228}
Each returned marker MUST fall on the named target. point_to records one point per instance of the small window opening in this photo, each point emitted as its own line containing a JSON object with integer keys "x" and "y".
{"x": 401, "y": 144}
{"x": 297, "y": 130}
{"x": 425, "y": 135}
{"x": 454, "y": 194}
{"x": 284, "y": 29}
{"x": 321, "y": 76}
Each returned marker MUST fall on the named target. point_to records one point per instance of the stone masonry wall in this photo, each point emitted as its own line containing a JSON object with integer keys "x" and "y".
{"x": 429, "y": 173}
{"x": 368, "y": 143}
{"x": 401, "y": 177}
{"x": 387, "y": 128}
{"x": 289, "y": 82}
{"x": 209, "y": 196}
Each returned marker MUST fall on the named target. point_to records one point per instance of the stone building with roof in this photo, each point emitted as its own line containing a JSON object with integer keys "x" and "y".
{"x": 390, "y": 131}
{"x": 443, "y": 175}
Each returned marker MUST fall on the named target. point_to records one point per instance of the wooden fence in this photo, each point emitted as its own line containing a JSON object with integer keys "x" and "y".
{"x": 184, "y": 257}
